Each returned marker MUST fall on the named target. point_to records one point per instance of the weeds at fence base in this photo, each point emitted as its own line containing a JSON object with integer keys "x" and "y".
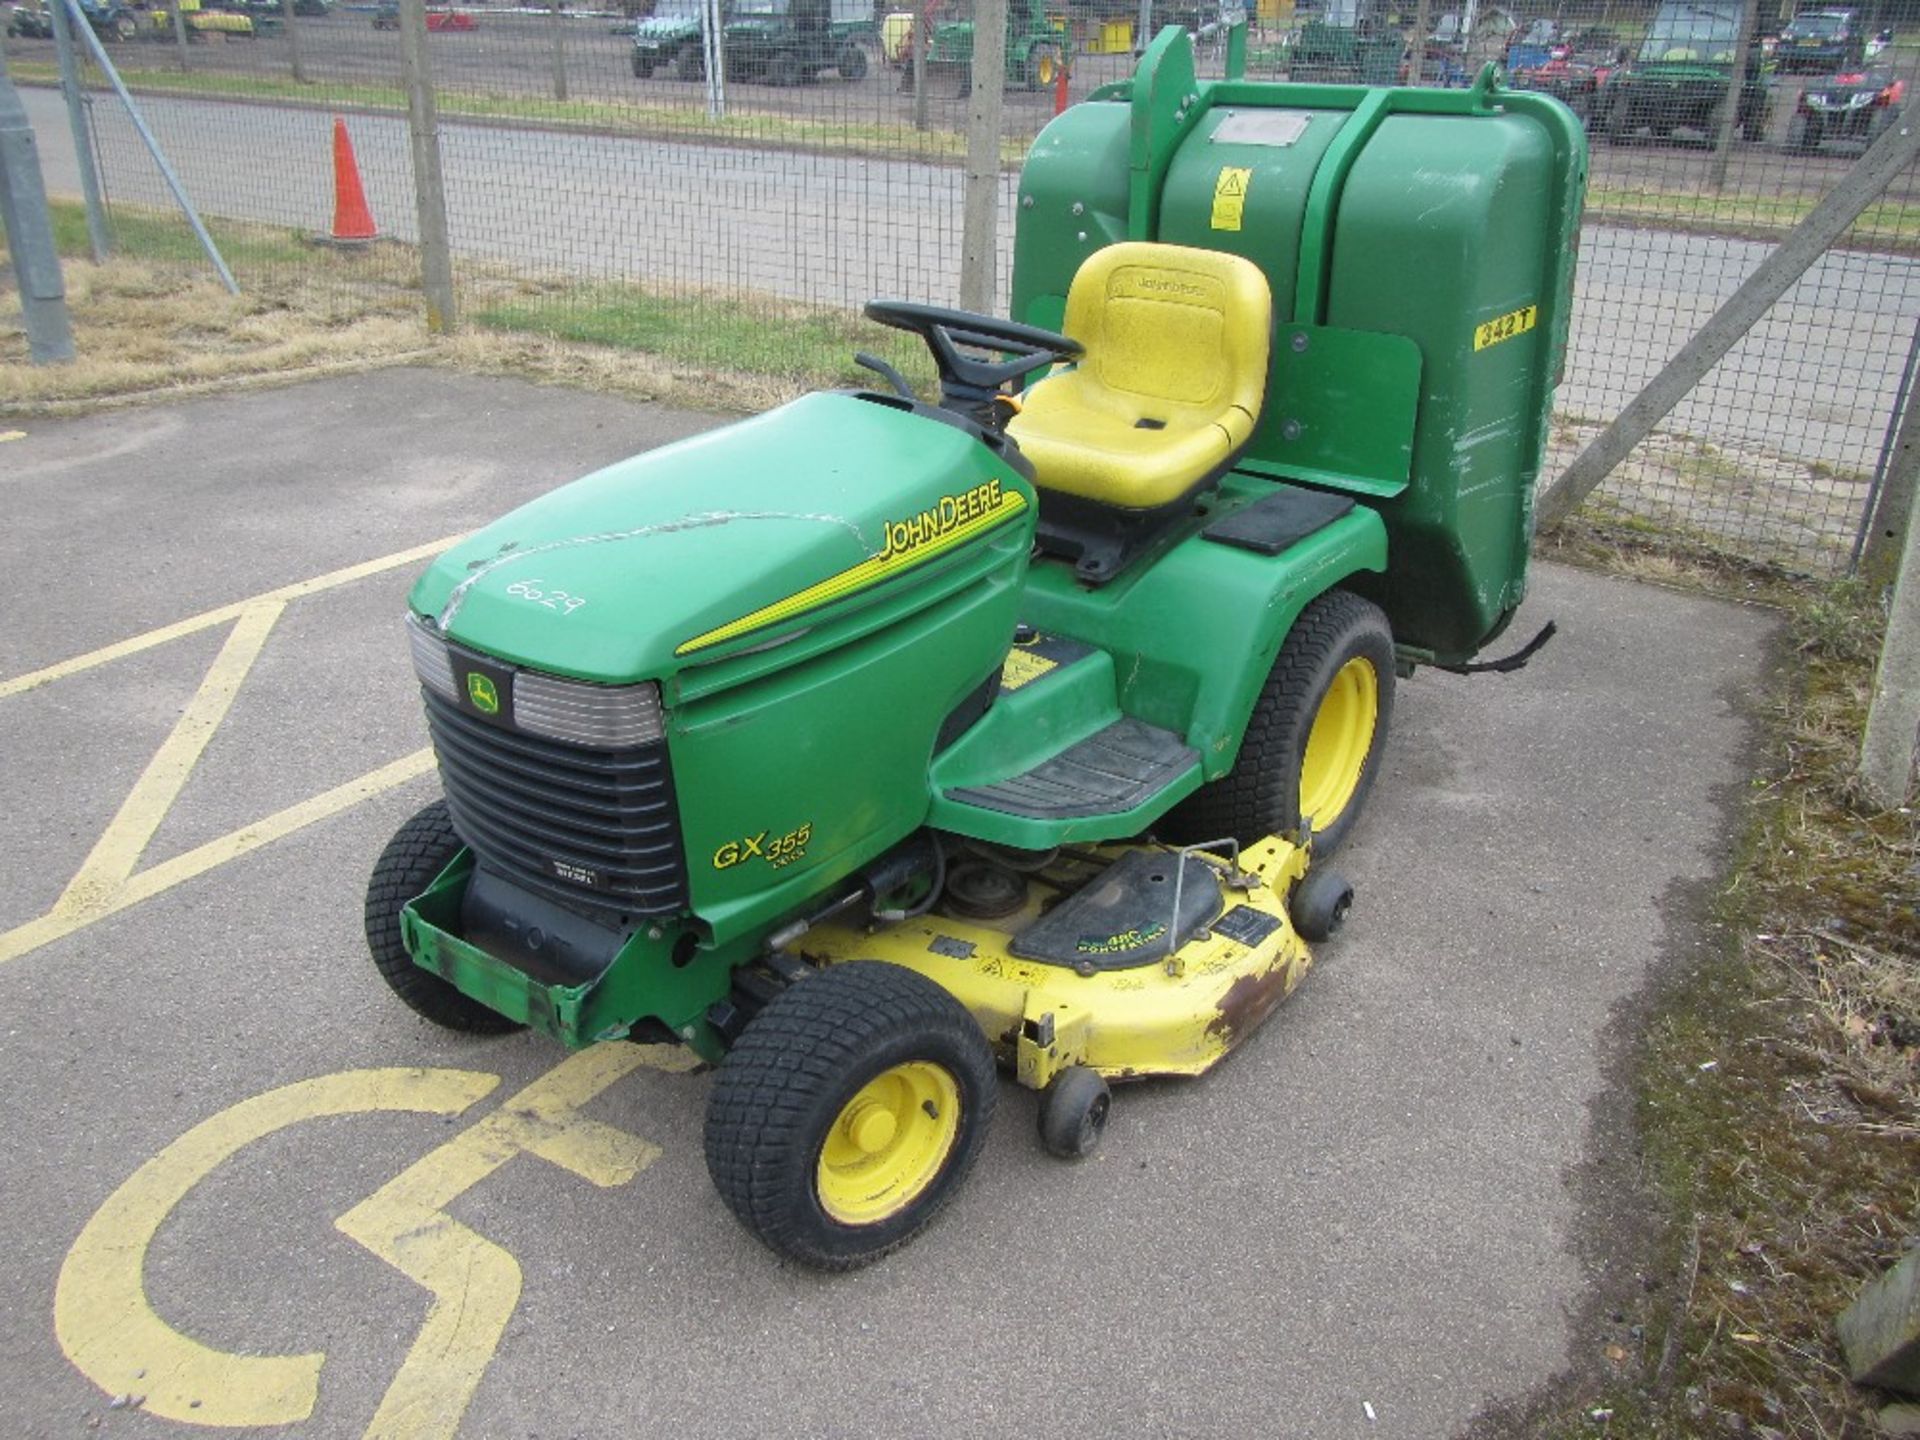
{"x": 1778, "y": 1080}
{"x": 1709, "y": 496}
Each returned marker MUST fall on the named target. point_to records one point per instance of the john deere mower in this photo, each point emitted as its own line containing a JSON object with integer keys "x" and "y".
{"x": 870, "y": 742}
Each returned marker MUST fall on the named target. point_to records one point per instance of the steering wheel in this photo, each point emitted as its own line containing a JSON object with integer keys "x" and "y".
{"x": 969, "y": 383}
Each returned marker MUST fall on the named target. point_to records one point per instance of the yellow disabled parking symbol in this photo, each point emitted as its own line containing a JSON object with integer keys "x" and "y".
{"x": 110, "y": 1331}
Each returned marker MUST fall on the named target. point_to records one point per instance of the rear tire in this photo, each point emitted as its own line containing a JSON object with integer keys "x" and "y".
{"x": 642, "y": 69}
{"x": 1313, "y": 743}
{"x": 853, "y": 63}
{"x": 849, "y": 1113}
{"x": 784, "y": 71}
{"x": 690, "y": 64}
{"x": 418, "y": 852}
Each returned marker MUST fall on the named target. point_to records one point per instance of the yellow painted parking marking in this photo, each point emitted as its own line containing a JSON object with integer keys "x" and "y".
{"x": 58, "y": 923}
{"x": 475, "y": 1283}
{"x": 106, "y": 881}
{"x": 108, "y": 1328}
{"x": 207, "y": 619}
{"x": 118, "y": 850}
{"x": 101, "y": 1314}
{"x": 6, "y": 435}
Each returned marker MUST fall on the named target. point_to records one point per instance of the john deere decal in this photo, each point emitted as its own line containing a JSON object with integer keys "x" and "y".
{"x": 480, "y": 690}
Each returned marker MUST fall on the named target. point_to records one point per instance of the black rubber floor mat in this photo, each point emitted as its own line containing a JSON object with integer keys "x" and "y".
{"x": 1121, "y": 767}
{"x": 1122, "y": 919}
{"x": 1279, "y": 521}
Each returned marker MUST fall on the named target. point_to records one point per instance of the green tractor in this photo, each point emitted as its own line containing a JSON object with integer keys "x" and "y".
{"x": 1038, "y": 52}
{"x": 870, "y": 742}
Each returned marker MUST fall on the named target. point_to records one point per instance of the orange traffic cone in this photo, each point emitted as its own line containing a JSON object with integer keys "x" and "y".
{"x": 352, "y": 221}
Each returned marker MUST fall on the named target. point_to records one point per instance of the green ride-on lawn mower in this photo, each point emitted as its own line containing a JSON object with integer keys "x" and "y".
{"x": 868, "y": 742}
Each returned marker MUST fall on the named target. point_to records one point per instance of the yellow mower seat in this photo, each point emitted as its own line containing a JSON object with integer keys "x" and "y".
{"x": 1168, "y": 392}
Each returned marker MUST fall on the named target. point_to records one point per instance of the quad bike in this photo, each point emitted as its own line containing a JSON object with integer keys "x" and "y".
{"x": 870, "y": 742}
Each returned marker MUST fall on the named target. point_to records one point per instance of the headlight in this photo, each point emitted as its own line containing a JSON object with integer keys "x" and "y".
{"x": 431, "y": 661}
{"x": 577, "y": 712}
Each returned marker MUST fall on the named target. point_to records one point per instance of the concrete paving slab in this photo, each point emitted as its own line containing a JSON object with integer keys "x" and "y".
{"x": 1374, "y": 1203}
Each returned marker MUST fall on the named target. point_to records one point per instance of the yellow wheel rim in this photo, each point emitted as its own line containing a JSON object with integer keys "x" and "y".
{"x": 889, "y": 1143}
{"x": 1047, "y": 71}
{"x": 1338, "y": 744}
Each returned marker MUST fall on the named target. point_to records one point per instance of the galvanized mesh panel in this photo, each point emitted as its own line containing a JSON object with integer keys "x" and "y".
{"x": 588, "y": 202}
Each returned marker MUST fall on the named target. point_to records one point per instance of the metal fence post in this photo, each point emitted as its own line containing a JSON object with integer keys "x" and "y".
{"x": 429, "y": 186}
{"x": 98, "y": 236}
{"x": 556, "y": 32}
{"x": 1892, "y": 515}
{"x": 917, "y": 61}
{"x": 979, "y": 226}
{"x": 713, "y": 54}
{"x": 1729, "y": 118}
{"x": 293, "y": 41}
{"x": 1893, "y": 717}
{"x": 180, "y": 33}
{"x": 23, "y": 213}
{"x": 160, "y": 161}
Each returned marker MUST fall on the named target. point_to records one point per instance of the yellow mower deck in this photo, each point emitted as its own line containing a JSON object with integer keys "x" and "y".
{"x": 1173, "y": 1016}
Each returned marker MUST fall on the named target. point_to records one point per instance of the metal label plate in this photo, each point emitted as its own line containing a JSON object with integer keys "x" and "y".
{"x": 1263, "y": 127}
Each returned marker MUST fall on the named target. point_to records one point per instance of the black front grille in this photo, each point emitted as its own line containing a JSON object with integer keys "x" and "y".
{"x": 587, "y": 827}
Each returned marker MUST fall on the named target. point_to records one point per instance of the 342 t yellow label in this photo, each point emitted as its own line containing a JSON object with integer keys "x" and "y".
{"x": 1505, "y": 327}
{"x": 1230, "y": 196}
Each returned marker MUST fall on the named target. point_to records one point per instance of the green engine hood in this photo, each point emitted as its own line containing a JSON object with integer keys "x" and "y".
{"x": 721, "y": 542}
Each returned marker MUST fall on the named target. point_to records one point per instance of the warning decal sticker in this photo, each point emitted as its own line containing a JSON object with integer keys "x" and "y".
{"x": 1230, "y": 196}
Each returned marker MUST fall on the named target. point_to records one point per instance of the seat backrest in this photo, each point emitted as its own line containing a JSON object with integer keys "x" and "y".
{"x": 1186, "y": 330}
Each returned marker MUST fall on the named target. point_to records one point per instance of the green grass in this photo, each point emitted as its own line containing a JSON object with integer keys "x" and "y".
{"x": 1887, "y": 224}
{"x": 598, "y": 116}
{"x": 167, "y": 238}
{"x": 784, "y": 341}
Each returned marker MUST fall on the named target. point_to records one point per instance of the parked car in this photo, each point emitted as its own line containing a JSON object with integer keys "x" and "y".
{"x": 30, "y": 22}
{"x": 1822, "y": 42}
{"x": 669, "y": 37}
{"x": 1571, "y": 67}
{"x": 1853, "y": 105}
{"x": 387, "y": 17}
{"x": 1682, "y": 75}
{"x": 109, "y": 21}
{"x": 789, "y": 42}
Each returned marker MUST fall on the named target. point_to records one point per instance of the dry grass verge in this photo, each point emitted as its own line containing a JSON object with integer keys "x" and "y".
{"x": 1778, "y": 1080}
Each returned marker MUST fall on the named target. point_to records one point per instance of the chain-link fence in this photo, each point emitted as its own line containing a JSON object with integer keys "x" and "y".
{"x": 602, "y": 185}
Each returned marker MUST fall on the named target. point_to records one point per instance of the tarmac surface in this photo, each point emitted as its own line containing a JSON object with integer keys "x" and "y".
{"x": 1378, "y": 1218}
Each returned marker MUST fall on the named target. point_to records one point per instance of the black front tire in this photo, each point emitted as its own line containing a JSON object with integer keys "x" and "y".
{"x": 1262, "y": 795}
{"x": 853, "y": 63}
{"x": 795, "y": 1085}
{"x": 642, "y": 68}
{"x": 417, "y": 853}
{"x": 784, "y": 71}
{"x": 1073, "y": 1113}
{"x": 690, "y": 64}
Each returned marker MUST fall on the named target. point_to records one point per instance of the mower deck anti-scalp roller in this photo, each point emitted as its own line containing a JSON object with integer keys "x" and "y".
{"x": 870, "y": 743}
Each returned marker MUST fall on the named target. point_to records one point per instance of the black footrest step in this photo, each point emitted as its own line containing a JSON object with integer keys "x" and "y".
{"x": 1121, "y": 767}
